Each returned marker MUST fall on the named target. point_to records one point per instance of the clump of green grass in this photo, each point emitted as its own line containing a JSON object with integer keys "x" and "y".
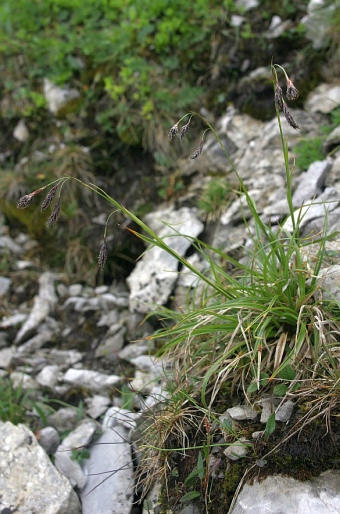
{"x": 214, "y": 198}
{"x": 308, "y": 151}
{"x": 260, "y": 329}
{"x": 14, "y": 402}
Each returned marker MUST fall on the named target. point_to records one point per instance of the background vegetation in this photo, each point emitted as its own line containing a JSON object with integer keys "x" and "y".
{"x": 137, "y": 65}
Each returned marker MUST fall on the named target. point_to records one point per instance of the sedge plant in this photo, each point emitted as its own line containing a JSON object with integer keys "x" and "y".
{"x": 259, "y": 329}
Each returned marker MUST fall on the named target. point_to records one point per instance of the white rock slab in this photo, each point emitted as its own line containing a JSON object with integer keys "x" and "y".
{"x": 109, "y": 470}
{"x": 285, "y": 495}
{"x": 154, "y": 276}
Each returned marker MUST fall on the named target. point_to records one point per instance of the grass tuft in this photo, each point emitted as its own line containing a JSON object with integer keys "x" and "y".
{"x": 254, "y": 331}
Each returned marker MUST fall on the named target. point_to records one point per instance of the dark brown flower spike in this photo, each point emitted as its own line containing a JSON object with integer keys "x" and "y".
{"x": 184, "y": 130}
{"x": 278, "y": 96}
{"x": 173, "y": 131}
{"x": 292, "y": 93}
{"x": 48, "y": 200}
{"x": 198, "y": 150}
{"x": 102, "y": 257}
{"x": 289, "y": 117}
{"x": 25, "y": 201}
{"x": 55, "y": 214}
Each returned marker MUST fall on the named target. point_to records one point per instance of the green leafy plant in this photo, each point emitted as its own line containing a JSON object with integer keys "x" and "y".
{"x": 80, "y": 454}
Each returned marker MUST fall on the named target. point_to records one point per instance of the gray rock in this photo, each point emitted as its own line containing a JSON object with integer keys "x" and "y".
{"x": 21, "y": 132}
{"x": 284, "y": 495}
{"x": 142, "y": 382}
{"x": 8, "y": 244}
{"x": 246, "y": 5}
{"x": 328, "y": 201}
{"x": 109, "y": 470}
{"x": 311, "y": 182}
{"x": 48, "y": 376}
{"x": 4, "y": 285}
{"x": 28, "y": 480}
{"x": 43, "y": 304}
{"x": 79, "y": 438}
{"x": 237, "y": 450}
{"x": 148, "y": 363}
{"x": 325, "y": 98}
{"x": 277, "y": 27}
{"x": 152, "y": 503}
{"x": 285, "y": 411}
{"x": 65, "y": 418}
{"x": 13, "y": 320}
{"x": 58, "y": 98}
{"x": 332, "y": 140}
{"x": 329, "y": 283}
{"x": 81, "y": 304}
{"x": 242, "y": 412}
{"x": 109, "y": 300}
{"x": 134, "y": 350}
{"x": 65, "y": 358}
{"x": 49, "y": 439}
{"x": 108, "y": 318}
{"x": 35, "y": 342}
{"x": 97, "y": 405}
{"x": 23, "y": 380}
{"x": 75, "y": 290}
{"x": 154, "y": 276}
{"x": 6, "y": 357}
{"x": 111, "y": 344}
{"x": 118, "y": 416}
{"x": 91, "y": 380}
{"x": 318, "y": 22}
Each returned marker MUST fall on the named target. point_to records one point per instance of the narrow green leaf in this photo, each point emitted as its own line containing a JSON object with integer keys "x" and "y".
{"x": 190, "y": 496}
{"x": 270, "y": 426}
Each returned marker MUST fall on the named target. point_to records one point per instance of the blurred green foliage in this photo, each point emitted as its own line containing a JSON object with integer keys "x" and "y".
{"x": 143, "y": 56}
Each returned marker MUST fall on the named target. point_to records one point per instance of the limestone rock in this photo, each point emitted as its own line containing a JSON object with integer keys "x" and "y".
{"x": 91, "y": 380}
{"x": 58, "y": 98}
{"x": 79, "y": 438}
{"x": 242, "y": 412}
{"x": 21, "y": 132}
{"x": 44, "y": 302}
{"x": 285, "y": 495}
{"x": 325, "y": 98}
{"x": 4, "y": 285}
{"x": 154, "y": 276}
{"x": 109, "y": 470}
{"x": 28, "y": 480}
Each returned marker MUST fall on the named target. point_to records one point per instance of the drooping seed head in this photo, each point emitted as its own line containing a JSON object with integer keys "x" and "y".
{"x": 25, "y": 201}
{"x": 278, "y": 96}
{"x": 48, "y": 200}
{"x": 55, "y": 214}
{"x": 173, "y": 131}
{"x": 292, "y": 93}
{"x": 198, "y": 150}
{"x": 289, "y": 117}
{"x": 184, "y": 130}
{"x": 102, "y": 257}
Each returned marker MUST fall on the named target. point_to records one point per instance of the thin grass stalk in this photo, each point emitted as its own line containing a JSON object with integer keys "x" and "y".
{"x": 284, "y": 144}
